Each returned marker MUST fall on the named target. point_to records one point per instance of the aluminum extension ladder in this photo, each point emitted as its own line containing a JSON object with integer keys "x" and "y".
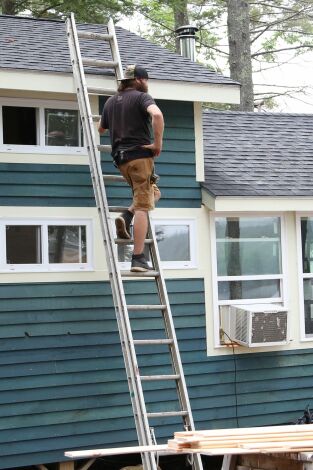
{"x": 145, "y": 436}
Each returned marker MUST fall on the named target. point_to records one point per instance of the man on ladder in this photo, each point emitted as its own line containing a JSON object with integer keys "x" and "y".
{"x": 127, "y": 115}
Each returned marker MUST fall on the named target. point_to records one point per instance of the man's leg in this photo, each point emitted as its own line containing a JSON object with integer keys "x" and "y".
{"x": 138, "y": 174}
{"x": 140, "y": 231}
{"x": 123, "y": 223}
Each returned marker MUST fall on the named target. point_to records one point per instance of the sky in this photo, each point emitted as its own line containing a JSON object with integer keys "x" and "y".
{"x": 297, "y": 72}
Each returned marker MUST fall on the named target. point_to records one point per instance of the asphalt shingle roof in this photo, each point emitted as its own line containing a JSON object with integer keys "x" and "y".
{"x": 33, "y": 44}
{"x": 258, "y": 154}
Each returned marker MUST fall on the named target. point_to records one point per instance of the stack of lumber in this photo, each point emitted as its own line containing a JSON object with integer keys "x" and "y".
{"x": 293, "y": 438}
{"x": 240, "y": 441}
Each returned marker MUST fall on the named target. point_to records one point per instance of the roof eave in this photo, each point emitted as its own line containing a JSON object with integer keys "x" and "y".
{"x": 252, "y": 204}
{"x": 31, "y": 80}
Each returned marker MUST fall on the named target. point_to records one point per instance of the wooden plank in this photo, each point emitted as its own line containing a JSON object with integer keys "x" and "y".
{"x": 95, "y": 453}
{"x": 269, "y": 445}
{"x": 245, "y": 431}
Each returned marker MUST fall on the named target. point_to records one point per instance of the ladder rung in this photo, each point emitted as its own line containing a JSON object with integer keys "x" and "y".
{"x": 146, "y": 307}
{"x": 164, "y": 414}
{"x": 113, "y": 178}
{"x": 101, "y": 91}
{"x": 91, "y": 35}
{"x": 117, "y": 208}
{"x": 147, "y": 378}
{"x": 130, "y": 241}
{"x": 96, "y": 117}
{"x": 140, "y": 274}
{"x": 146, "y": 342}
{"x": 104, "y": 148}
{"x": 107, "y": 64}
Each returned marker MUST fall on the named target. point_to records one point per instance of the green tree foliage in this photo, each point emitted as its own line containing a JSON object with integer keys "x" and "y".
{"x": 279, "y": 26}
{"x": 96, "y": 11}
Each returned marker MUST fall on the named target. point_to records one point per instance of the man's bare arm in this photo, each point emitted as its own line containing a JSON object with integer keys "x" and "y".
{"x": 158, "y": 128}
{"x": 101, "y": 130}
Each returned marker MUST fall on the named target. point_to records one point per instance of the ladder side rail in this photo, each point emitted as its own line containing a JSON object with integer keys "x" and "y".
{"x": 117, "y": 289}
{"x": 115, "y": 50}
{"x": 174, "y": 348}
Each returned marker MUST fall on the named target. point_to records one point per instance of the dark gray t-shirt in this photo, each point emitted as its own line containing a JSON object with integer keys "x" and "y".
{"x": 125, "y": 115}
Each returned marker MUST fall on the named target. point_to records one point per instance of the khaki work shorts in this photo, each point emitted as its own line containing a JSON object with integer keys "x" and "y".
{"x": 138, "y": 175}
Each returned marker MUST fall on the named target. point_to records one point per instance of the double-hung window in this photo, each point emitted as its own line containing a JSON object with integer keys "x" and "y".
{"x": 305, "y": 224}
{"x": 176, "y": 242}
{"x": 45, "y": 245}
{"x": 35, "y": 126}
{"x": 249, "y": 265}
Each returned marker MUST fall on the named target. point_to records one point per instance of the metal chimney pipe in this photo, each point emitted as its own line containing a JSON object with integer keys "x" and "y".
{"x": 187, "y": 40}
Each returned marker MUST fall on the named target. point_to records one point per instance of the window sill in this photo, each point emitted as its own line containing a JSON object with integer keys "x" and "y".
{"x": 49, "y": 150}
{"x": 42, "y": 269}
{"x": 164, "y": 265}
{"x": 306, "y": 340}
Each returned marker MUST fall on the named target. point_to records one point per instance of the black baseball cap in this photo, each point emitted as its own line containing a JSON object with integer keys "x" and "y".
{"x": 135, "y": 71}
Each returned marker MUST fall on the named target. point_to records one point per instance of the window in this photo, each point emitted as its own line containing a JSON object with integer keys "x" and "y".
{"x": 67, "y": 244}
{"x": 19, "y": 125}
{"x": 249, "y": 267}
{"x": 23, "y": 244}
{"x": 306, "y": 229}
{"x": 35, "y": 126}
{"x": 62, "y": 128}
{"x": 45, "y": 246}
{"x": 176, "y": 243}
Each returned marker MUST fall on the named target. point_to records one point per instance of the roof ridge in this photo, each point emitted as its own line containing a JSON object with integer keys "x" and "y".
{"x": 33, "y": 18}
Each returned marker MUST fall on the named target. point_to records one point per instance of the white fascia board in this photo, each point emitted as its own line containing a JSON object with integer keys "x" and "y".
{"x": 49, "y": 82}
{"x": 256, "y": 204}
{"x": 32, "y": 81}
{"x": 201, "y": 92}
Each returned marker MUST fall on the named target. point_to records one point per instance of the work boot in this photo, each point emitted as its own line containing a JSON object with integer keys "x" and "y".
{"x": 122, "y": 224}
{"x": 140, "y": 264}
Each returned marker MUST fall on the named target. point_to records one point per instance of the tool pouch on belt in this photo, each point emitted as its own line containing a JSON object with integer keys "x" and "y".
{"x": 124, "y": 156}
{"x": 154, "y": 178}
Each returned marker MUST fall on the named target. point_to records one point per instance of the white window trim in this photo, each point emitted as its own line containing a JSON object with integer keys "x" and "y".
{"x": 40, "y": 106}
{"x": 45, "y": 266}
{"x": 302, "y": 276}
{"x": 191, "y": 222}
{"x": 215, "y": 278}
{"x": 192, "y": 263}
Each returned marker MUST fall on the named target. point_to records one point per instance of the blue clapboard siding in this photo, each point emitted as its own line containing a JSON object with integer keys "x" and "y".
{"x": 70, "y": 185}
{"x": 63, "y": 384}
{"x": 45, "y": 185}
{"x": 176, "y": 165}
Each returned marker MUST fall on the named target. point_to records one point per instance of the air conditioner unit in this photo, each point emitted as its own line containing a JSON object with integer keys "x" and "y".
{"x": 257, "y": 325}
